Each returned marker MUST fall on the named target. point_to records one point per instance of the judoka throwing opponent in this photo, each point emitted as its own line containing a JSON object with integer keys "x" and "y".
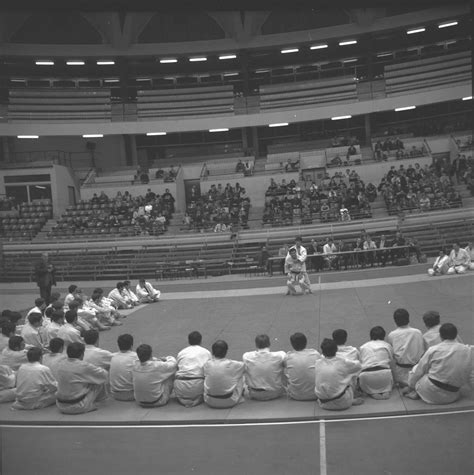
{"x": 296, "y": 274}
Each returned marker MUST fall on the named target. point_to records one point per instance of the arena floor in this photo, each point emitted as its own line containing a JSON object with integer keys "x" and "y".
{"x": 398, "y": 436}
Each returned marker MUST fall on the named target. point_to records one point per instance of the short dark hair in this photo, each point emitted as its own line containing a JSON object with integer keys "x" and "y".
{"x": 57, "y": 305}
{"x": 34, "y": 318}
{"x": 14, "y": 343}
{"x": 74, "y": 305}
{"x": 39, "y": 301}
{"x": 34, "y": 354}
{"x": 339, "y": 336}
{"x": 55, "y": 296}
{"x": 8, "y": 328}
{"x": 126, "y": 282}
{"x": 91, "y": 337}
{"x": 144, "y": 352}
{"x": 262, "y": 341}
{"x": 125, "y": 342}
{"x": 401, "y": 317}
{"x": 298, "y": 238}
{"x": 48, "y": 312}
{"x": 56, "y": 345}
{"x": 98, "y": 290}
{"x": 431, "y": 318}
{"x": 377, "y": 333}
{"x": 15, "y": 316}
{"x": 71, "y": 316}
{"x": 96, "y": 296}
{"x": 448, "y": 331}
{"x": 57, "y": 315}
{"x": 298, "y": 341}
{"x": 119, "y": 285}
{"x": 194, "y": 338}
{"x": 75, "y": 350}
{"x": 219, "y": 349}
{"x": 71, "y": 288}
{"x": 329, "y": 347}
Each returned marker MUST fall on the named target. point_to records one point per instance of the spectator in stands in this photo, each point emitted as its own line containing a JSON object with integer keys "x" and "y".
{"x": 351, "y": 151}
{"x": 328, "y": 250}
{"x": 369, "y": 247}
{"x": 153, "y": 378}
{"x": 263, "y": 260}
{"x": 240, "y": 167}
{"x": 80, "y": 384}
{"x": 291, "y": 166}
{"x": 121, "y": 367}
{"x": 223, "y": 378}
{"x": 35, "y": 384}
{"x": 459, "y": 260}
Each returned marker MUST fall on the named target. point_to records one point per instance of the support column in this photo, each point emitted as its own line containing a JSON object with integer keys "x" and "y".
{"x": 256, "y": 145}
{"x": 5, "y": 156}
{"x": 245, "y": 143}
{"x": 368, "y": 130}
{"x": 133, "y": 150}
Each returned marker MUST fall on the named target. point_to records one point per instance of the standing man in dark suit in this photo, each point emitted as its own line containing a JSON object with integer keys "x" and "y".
{"x": 45, "y": 276}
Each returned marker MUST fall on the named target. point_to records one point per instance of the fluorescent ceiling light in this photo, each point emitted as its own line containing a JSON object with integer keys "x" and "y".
{"x": 347, "y": 42}
{"x": 45, "y": 63}
{"x": 75, "y": 63}
{"x": 450, "y": 42}
{"x": 198, "y": 59}
{"x": 281, "y": 124}
{"x": 289, "y": 50}
{"x": 142, "y": 79}
{"x": 261, "y": 71}
{"x": 445, "y": 25}
{"x": 416, "y": 30}
{"x": 27, "y": 136}
{"x": 407, "y": 108}
{"x": 231, "y": 74}
{"x": 92, "y": 136}
{"x": 467, "y": 98}
{"x": 18, "y": 80}
{"x": 111, "y": 80}
{"x": 40, "y": 187}
{"x": 340, "y": 117}
{"x": 352, "y": 60}
{"x": 155, "y": 133}
{"x": 319, "y": 46}
{"x": 228, "y": 56}
{"x": 382, "y": 55}
{"x": 168, "y": 60}
{"x": 105, "y": 63}
{"x": 219, "y": 130}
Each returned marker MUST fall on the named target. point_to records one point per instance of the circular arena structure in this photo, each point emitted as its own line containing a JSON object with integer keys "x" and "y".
{"x": 191, "y": 149}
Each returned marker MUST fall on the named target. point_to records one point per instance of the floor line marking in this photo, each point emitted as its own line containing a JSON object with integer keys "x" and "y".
{"x": 322, "y": 448}
{"x": 235, "y": 424}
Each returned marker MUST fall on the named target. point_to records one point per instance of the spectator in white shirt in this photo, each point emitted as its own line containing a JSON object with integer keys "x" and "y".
{"x": 334, "y": 375}
{"x": 264, "y": 370}
{"x": 408, "y": 346}
{"x": 442, "y": 371}
{"x": 223, "y": 378}
{"x": 55, "y": 355}
{"x": 8, "y": 330}
{"x": 146, "y": 293}
{"x": 153, "y": 378}
{"x": 459, "y": 260}
{"x": 14, "y": 355}
{"x": 35, "y": 384}
{"x": 440, "y": 265}
{"x": 370, "y": 247}
{"x": 346, "y": 351}
{"x": 299, "y": 369}
{"x": 376, "y": 357}
{"x": 121, "y": 369}
{"x": 93, "y": 354}
{"x": 189, "y": 379}
{"x": 328, "y": 250}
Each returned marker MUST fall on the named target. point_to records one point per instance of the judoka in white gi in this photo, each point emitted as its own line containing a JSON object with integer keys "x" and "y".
{"x": 55, "y": 356}
{"x": 189, "y": 379}
{"x": 301, "y": 255}
{"x": 346, "y": 351}
{"x": 223, "y": 378}
{"x": 432, "y": 321}
{"x": 93, "y": 354}
{"x": 14, "y": 355}
{"x": 121, "y": 369}
{"x": 118, "y": 298}
{"x": 69, "y": 332}
{"x": 440, "y": 265}
{"x": 146, "y": 293}
{"x": 470, "y": 250}
{"x": 7, "y": 384}
{"x": 459, "y": 260}
{"x": 295, "y": 274}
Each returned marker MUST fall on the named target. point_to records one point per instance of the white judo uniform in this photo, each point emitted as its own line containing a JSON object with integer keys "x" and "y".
{"x": 121, "y": 375}
{"x": 299, "y": 373}
{"x": 376, "y": 378}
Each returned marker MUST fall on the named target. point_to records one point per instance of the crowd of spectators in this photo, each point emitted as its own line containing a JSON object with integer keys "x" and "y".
{"x": 245, "y": 168}
{"x": 148, "y": 215}
{"x": 395, "y": 146}
{"x": 419, "y": 189}
{"x": 8, "y": 203}
{"x": 342, "y": 197}
{"x": 220, "y": 209}
{"x": 143, "y": 175}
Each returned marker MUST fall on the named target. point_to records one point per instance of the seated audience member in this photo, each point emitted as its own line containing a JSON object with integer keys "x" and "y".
{"x": 295, "y": 274}
{"x": 408, "y": 346}
{"x": 153, "y": 378}
{"x": 55, "y": 355}
{"x": 334, "y": 375}
{"x": 264, "y": 370}
{"x": 118, "y": 298}
{"x": 40, "y": 307}
{"x": 299, "y": 369}
{"x": 80, "y": 384}
{"x": 189, "y": 379}
{"x": 14, "y": 355}
{"x": 146, "y": 293}
{"x": 440, "y": 265}
{"x": 8, "y": 330}
{"x": 69, "y": 332}
{"x": 93, "y": 354}
{"x": 35, "y": 384}
{"x": 7, "y": 384}
{"x": 223, "y": 378}
{"x": 346, "y": 351}
{"x": 57, "y": 321}
{"x": 459, "y": 260}
{"x": 121, "y": 368}
{"x": 129, "y": 294}
{"x": 369, "y": 246}
{"x": 34, "y": 333}
{"x": 442, "y": 370}
{"x": 376, "y": 357}
{"x": 382, "y": 253}
{"x": 432, "y": 322}
{"x": 328, "y": 250}
{"x": 470, "y": 250}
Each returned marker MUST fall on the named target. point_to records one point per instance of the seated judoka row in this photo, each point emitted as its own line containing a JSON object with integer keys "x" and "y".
{"x": 122, "y": 297}
{"x": 459, "y": 260}
{"x": 442, "y": 370}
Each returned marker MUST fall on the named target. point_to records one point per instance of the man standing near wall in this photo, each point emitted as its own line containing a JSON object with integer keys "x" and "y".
{"x": 45, "y": 277}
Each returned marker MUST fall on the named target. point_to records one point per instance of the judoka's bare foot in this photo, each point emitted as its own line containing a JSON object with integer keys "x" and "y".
{"x": 412, "y": 395}
{"x": 405, "y": 390}
{"x": 117, "y": 324}
{"x": 381, "y": 396}
{"x": 104, "y": 328}
{"x": 357, "y": 401}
